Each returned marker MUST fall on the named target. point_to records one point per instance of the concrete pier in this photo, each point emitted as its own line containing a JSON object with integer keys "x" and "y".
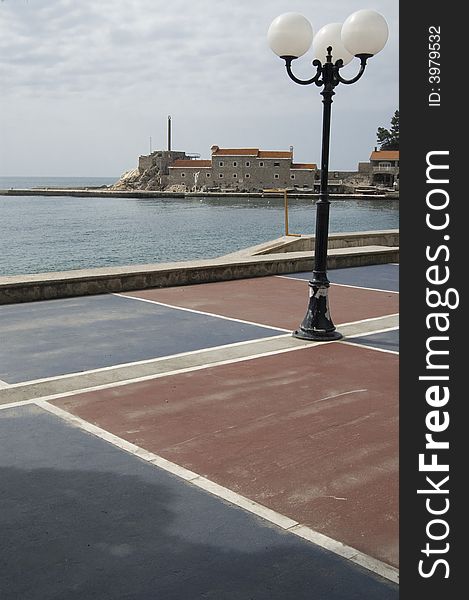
{"x": 107, "y": 193}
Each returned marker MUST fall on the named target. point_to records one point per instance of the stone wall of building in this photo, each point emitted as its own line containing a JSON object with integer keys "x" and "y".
{"x": 303, "y": 178}
{"x": 250, "y": 173}
{"x": 243, "y": 170}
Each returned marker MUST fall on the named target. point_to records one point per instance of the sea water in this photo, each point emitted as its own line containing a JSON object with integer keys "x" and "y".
{"x": 54, "y": 233}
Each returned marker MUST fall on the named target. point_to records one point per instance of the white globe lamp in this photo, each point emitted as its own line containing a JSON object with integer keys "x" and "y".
{"x": 330, "y": 35}
{"x": 365, "y": 32}
{"x": 290, "y": 35}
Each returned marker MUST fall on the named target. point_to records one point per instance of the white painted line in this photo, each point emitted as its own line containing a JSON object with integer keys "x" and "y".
{"x": 286, "y": 523}
{"x": 370, "y": 563}
{"x": 16, "y": 404}
{"x": 119, "y": 442}
{"x": 371, "y": 319}
{"x": 358, "y": 287}
{"x": 250, "y": 505}
{"x": 357, "y": 335}
{"x": 201, "y": 312}
{"x": 294, "y": 278}
{"x": 371, "y": 347}
{"x": 3, "y": 384}
{"x": 324, "y": 541}
{"x": 378, "y": 567}
{"x": 145, "y": 362}
{"x": 124, "y": 382}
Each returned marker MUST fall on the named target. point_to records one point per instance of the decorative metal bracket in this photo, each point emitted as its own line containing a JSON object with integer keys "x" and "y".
{"x": 328, "y": 73}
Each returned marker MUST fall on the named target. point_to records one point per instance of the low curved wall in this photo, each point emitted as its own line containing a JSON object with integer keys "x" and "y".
{"x": 244, "y": 264}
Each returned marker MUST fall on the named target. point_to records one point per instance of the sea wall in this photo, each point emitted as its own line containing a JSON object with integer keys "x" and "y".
{"x": 138, "y": 193}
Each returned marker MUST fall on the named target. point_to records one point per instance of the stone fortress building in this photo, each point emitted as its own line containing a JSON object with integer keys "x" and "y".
{"x": 243, "y": 169}
{"x": 229, "y": 169}
{"x": 255, "y": 170}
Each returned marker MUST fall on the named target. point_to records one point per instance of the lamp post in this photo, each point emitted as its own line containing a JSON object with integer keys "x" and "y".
{"x": 363, "y": 34}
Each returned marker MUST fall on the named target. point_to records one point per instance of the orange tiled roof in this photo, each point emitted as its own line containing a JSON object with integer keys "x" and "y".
{"x": 385, "y": 155}
{"x": 216, "y": 151}
{"x": 195, "y": 164}
{"x": 236, "y": 151}
{"x": 274, "y": 154}
{"x": 304, "y": 166}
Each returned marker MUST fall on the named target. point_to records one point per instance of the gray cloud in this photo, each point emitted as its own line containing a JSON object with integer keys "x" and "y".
{"x": 120, "y": 66}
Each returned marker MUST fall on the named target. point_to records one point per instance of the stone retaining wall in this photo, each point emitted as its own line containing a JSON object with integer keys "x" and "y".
{"x": 274, "y": 261}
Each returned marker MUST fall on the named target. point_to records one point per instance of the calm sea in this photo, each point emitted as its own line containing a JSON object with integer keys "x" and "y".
{"x": 41, "y": 233}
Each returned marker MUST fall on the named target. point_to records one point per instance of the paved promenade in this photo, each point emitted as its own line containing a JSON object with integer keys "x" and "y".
{"x": 179, "y": 443}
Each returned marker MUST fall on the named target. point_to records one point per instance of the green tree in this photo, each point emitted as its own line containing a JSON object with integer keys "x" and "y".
{"x": 388, "y": 139}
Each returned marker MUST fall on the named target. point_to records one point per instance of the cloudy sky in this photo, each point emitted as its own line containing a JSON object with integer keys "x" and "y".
{"x": 86, "y": 83}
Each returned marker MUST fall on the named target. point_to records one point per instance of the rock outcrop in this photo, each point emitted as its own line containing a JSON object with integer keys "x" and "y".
{"x": 149, "y": 179}
{"x": 152, "y": 171}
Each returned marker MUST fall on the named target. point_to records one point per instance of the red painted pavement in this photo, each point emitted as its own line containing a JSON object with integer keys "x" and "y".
{"x": 312, "y": 434}
{"x": 276, "y": 301}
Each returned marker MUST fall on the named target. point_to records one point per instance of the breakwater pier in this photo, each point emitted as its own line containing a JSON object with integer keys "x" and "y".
{"x": 109, "y": 193}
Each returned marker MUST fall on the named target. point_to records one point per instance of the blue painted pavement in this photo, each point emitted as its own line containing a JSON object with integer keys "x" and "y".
{"x": 82, "y": 519}
{"x": 379, "y": 277}
{"x": 387, "y": 340}
{"x": 58, "y": 337}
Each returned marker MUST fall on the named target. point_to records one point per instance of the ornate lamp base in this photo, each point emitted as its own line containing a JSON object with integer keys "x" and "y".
{"x": 317, "y": 324}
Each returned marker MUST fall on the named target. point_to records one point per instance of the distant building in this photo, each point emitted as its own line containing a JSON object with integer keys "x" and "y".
{"x": 253, "y": 170}
{"x": 384, "y": 168}
{"x": 242, "y": 169}
{"x": 342, "y": 182}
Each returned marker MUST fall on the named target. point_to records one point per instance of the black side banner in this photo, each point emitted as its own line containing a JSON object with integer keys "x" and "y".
{"x": 432, "y": 301}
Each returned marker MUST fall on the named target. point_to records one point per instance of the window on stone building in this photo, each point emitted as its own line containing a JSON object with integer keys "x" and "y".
{"x": 183, "y": 174}
{"x": 261, "y": 164}
{"x": 247, "y": 163}
{"x": 292, "y": 177}
{"x": 247, "y": 175}
{"x": 276, "y": 164}
{"x": 235, "y": 175}
{"x": 208, "y": 174}
{"x": 276, "y": 176}
{"x": 220, "y": 164}
{"x": 220, "y": 175}
{"x": 235, "y": 164}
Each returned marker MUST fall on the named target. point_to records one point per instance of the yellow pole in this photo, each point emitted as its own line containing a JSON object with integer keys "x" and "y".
{"x": 285, "y": 195}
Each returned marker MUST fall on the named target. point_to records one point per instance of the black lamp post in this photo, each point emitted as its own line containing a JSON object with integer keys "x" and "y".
{"x": 362, "y": 35}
